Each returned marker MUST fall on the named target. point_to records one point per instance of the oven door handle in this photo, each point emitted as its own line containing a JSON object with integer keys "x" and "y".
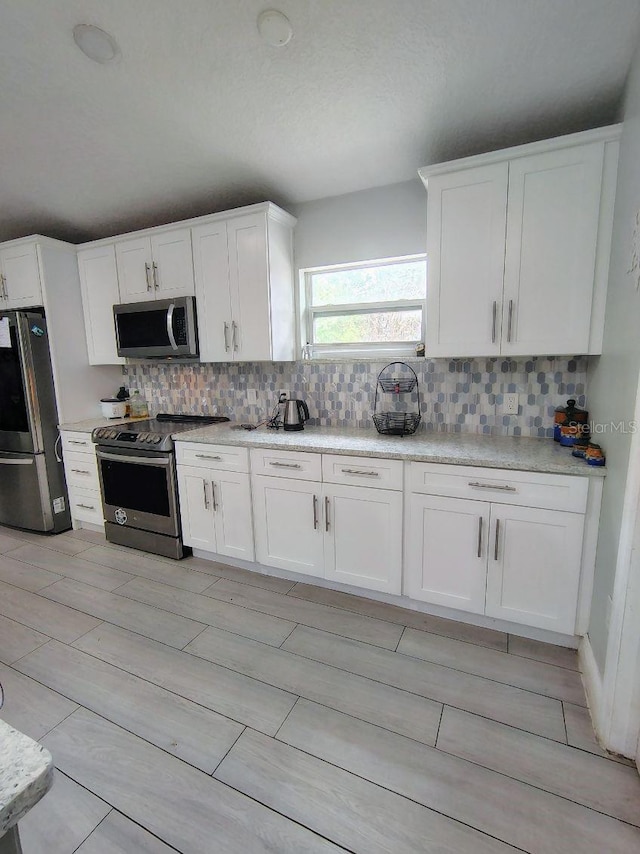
{"x": 172, "y": 337}
{"x": 163, "y": 462}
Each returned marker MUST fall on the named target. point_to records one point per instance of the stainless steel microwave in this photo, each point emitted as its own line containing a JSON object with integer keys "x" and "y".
{"x": 159, "y": 329}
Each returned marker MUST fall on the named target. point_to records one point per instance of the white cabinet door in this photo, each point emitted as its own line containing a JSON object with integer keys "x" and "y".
{"x": 249, "y": 285}
{"x": 22, "y": 286}
{"x": 363, "y": 537}
{"x": 211, "y": 268}
{"x": 466, "y": 221}
{"x": 99, "y": 284}
{"x": 446, "y": 561}
{"x": 135, "y": 272}
{"x": 534, "y": 567}
{"x": 552, "y": 233}
{"x": 231, "y": 497}
{"x": 288, "y": 524}
{"x": 172, "y": 272}
{"x": 196, "y": 508}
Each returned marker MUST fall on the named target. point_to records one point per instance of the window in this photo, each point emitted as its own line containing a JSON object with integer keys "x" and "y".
{"x": 370, "y": 307}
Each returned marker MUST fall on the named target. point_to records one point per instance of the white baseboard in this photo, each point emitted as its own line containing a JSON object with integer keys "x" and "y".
{"x": 592, "y": 680}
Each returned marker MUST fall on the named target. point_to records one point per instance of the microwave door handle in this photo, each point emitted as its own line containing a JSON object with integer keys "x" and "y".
{"x": 172, "y": 338}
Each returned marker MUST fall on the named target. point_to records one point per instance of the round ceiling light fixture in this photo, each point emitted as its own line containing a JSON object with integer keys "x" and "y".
{"x": 95, "y": 43}
{"x": 275, "y": 28}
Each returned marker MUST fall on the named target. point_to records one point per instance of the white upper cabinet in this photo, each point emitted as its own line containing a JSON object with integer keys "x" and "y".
{"x": 155, "y": 266}
{"x": 99, "y": 284}
{"x": 552, "y": 233}
{"x": 20, "y": 284}
{"x": 244, "y": 287}
{"x": 517, "y": 248}
{"x": 465, "y": 261}
{"x": 213, "y": 298}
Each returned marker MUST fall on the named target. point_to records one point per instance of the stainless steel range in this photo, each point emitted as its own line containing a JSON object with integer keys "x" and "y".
{"x": 137, "y": 468}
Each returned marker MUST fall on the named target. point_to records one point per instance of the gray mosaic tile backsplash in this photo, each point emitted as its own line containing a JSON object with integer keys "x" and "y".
{"x": 457, "y": 395}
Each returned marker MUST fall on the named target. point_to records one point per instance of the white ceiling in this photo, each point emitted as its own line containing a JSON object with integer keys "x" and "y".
{"x": 200, "y": 115}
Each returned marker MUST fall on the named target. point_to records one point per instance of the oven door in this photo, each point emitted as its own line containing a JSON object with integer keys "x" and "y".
{"x": 139, "y": 489}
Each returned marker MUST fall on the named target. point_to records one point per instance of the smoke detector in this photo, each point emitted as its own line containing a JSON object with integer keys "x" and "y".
{"x": 95, "y": 43}
{"x": 275, "y": 28}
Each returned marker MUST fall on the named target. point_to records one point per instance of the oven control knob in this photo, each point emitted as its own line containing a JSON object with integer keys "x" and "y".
{"x": 157, "y": 440}
{"x": 113, "y": 434}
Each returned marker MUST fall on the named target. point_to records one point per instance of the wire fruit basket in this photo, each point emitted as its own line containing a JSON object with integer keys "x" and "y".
{"x": 396, "y": 378}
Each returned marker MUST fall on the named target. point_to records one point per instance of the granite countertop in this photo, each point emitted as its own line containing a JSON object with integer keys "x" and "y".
{"x": 91, "y": 423}
{"x": 26, "y": 775}
{"x": 470, "y": 449}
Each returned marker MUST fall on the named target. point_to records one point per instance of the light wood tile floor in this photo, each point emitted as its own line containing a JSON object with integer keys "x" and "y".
{"x": 201, "y": 708}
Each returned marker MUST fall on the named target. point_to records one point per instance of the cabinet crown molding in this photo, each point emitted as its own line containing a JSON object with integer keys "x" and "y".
{"x": 271, "y": 211}
{"x": 610, "y": 133}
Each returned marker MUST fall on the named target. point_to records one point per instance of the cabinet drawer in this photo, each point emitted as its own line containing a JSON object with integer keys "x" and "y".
{"x": 362, "y": 471}
{"x": 86, "y": 505}
{"x": 81, "y": 470}
{"x": 300, "y": 466}
{"x": 73, "y": 441}
{"x": 221, "y": 457}
{"x": 526, "y": 489}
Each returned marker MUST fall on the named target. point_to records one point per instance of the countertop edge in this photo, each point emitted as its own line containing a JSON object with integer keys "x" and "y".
{"x": 27, "y": 774}
{"x": 378, "y": 447}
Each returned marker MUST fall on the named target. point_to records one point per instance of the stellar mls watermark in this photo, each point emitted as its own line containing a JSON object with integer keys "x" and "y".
{"x": 623, "y": 427}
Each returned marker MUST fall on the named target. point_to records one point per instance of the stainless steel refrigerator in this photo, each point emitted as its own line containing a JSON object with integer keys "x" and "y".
{"x": 33, "y": 493}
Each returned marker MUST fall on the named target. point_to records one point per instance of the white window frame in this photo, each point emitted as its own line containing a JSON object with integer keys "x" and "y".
{"x": 374, "y": 350}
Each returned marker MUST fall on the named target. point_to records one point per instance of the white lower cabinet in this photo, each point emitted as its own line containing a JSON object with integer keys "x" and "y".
{"x": 446, "y": 560}
{"x": 81, "y": 474}
{"x": 350, "y": 534}
{"x": 497, "y": 558}
{"x": 363, "y": 536}
{"x": 534, "y": 566}
{"x": 503, "y": 544}
{"x": 215, "y": 508}
{"x": 287, "y": 524}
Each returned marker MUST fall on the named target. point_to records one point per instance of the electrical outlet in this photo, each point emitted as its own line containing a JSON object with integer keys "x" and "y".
{"x": 252, "y": 395}
{"x": 283, "y": 392}
{"x": 510, "y": 404}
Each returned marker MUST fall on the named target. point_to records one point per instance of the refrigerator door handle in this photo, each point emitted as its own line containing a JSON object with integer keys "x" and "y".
{"x": 30, "y": 385}
{"x": 14, "y": 461}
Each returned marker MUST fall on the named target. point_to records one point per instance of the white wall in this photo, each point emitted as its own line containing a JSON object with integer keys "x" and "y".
{"x": 613, "y": 378}
{"x": 380, "y": 223}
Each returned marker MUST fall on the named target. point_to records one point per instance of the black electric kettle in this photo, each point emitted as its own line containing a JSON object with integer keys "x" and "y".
{"x": 296, "y": 413}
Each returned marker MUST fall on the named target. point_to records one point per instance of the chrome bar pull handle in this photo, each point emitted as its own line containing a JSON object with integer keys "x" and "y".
{"x": 285, "y": 465}
{"x": 361, "y": 472}
{"x": 480, "y": 536}
{"x": 225, "y": 327}
{"x": 494, "y": 321}
{"x": 234, "y": 335}
{"x": 495, "y": 551}
{"x": 206, "y": 497}
{"x": 156, "y": 286}
{"x": 86, "y": 506}
{"x": 147, "y": 272}
{"x": 207, "y": 457}
{"x": 501, "y": 488}
{"x": 315, "y": 512}
{"x": 326, "y": 512}
{"x": 510, "y": 322}
{"x": 213, "y": 495}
